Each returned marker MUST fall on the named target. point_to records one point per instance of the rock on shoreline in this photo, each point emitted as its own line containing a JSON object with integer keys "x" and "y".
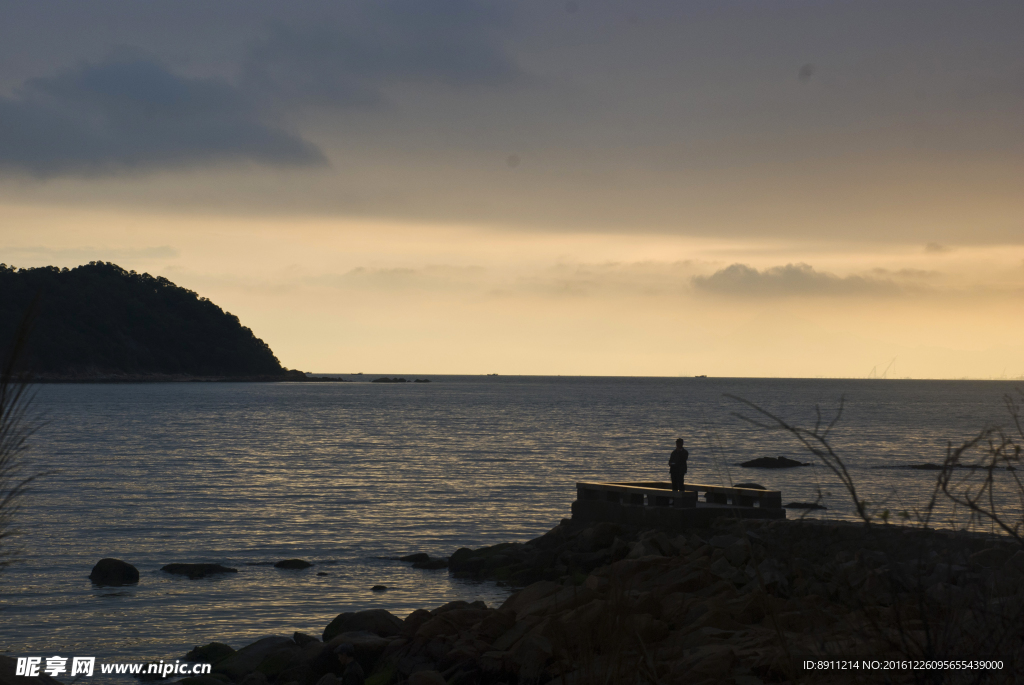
{"x": 729, "y": 603}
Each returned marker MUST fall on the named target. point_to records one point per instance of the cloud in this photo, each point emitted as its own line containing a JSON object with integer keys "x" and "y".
{"x": 366, "y": 47}
{"x": 129, "y": 112}
{"x": 644, "y": 278}
{"x": 87, "y": 254}
{"x": 427, "y": 278}
{"x": 789, "y": 281}
{"x": 592, "y": 280}
{"x": 905, "y": 273}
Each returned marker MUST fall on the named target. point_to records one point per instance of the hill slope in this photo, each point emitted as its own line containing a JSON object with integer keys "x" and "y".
{"x": 99, "y": 320}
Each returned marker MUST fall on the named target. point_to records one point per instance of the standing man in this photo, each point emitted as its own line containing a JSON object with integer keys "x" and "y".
{"x": 677, "y": 465}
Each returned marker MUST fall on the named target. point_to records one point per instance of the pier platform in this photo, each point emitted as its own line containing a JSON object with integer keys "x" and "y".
{"x": 656, "y": 505}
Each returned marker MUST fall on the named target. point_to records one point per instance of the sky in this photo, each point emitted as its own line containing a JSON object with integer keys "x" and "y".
{"x": 793, "y": 188}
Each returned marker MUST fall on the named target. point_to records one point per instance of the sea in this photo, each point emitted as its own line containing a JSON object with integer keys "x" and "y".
{"x": 351, "y": 475}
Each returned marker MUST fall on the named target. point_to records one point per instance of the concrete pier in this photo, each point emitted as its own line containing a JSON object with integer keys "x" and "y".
{"x": 656, "y": 505}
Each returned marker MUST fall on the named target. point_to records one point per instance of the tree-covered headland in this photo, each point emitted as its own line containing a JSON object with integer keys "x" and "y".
{"x": 99, "y": 321}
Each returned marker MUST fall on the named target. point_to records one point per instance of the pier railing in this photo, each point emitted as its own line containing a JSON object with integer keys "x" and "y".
{"x": 657, "y": 494}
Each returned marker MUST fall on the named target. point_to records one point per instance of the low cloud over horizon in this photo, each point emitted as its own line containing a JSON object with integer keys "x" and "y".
{"x": 792, "y": 280}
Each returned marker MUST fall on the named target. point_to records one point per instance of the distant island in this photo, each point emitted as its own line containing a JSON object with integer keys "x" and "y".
{"x": 99, "y": 322}
{"x": 385, "y": 379}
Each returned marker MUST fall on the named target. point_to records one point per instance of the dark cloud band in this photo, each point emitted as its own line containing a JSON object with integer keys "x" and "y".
{"x": 129, "y": 112}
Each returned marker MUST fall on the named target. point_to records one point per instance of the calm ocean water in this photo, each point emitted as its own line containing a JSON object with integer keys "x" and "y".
{"x": 341, "y": 474}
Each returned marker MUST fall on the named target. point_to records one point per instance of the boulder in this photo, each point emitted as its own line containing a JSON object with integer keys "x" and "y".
{"x": 527, "y": 596}
{"x": 376, "y": 621}
{"x": 246, "y": 660}
{"x": 209, "y": 654}
{"x": 297, "y": 564}
{"x": 564, "y": 599}
{"x": 413, "y": 622}
{"x": 772, "y": 573}
{"x": 368, "y": 647}
{"x": 495, "y": 624}
{"x": 458, "y": 604}
{"x": 726, "y": 571}
{"x": 599, "y": 536}
{"x": 662, "y": 543}
{"x": 195, "y": 571}
{"x": 114, "y": 572}
{"x": 379, "y": 588}
{"x": 431, "y": 564}
{"x": 413, "y": 558}
{"x": 279, "y": 661}
{"x": 738, "y": 553}
{"x": 302, "y": 639}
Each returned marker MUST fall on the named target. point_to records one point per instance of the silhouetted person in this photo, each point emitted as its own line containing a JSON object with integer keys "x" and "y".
{"x": 677, "y": 465}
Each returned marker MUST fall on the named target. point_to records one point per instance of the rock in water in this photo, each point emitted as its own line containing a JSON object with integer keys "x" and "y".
{"x": 376, "y": 621}
{"x": 772, "y": 463}
{"x": 293, "y": 563}
{"x": 195, "y": 571}
{"x": 114, "y": 572}
{"x": 419, "y": 556}
{"x": 431, "y": 564}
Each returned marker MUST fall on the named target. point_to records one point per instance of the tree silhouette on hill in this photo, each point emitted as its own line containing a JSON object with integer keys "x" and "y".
{"x": 99, "y": 319}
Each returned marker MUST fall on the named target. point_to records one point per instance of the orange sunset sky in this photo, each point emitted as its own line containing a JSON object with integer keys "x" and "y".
{"x": 733, "y": 188}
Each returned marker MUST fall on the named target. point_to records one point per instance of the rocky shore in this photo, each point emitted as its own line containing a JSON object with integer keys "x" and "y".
{"x": 739, "y": 602}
